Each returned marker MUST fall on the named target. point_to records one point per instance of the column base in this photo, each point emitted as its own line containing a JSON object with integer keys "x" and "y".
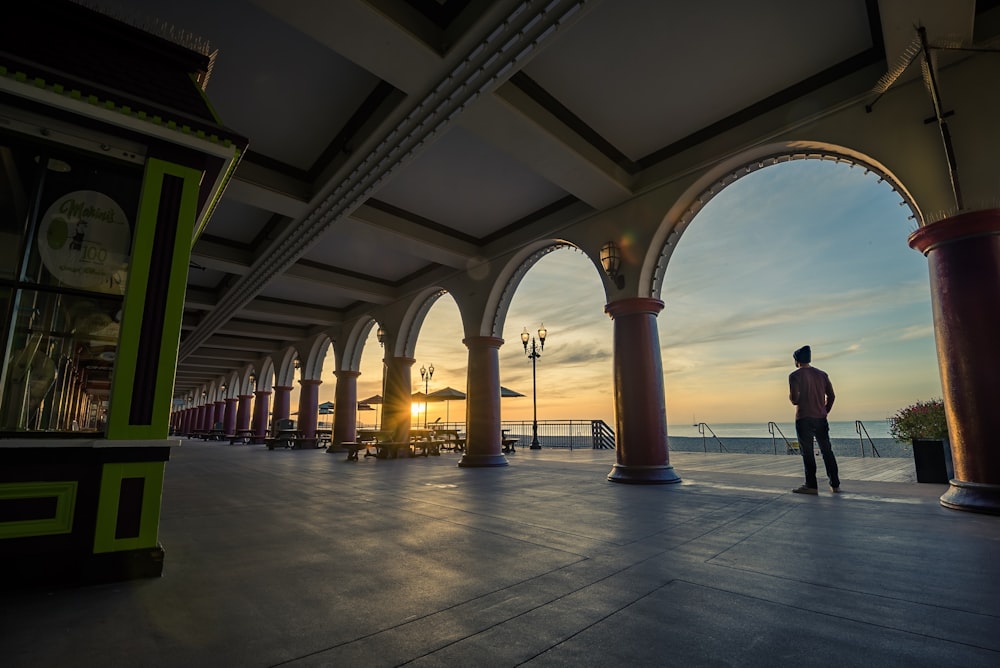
{"x": 471, "y": 461}
{"x": 644, "y": 475}
{"x": 974, "y": 497}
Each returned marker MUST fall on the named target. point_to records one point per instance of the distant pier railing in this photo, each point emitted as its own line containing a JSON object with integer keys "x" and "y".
{"x": 702, "y": 427}
{"x": 568, "y": 434}
{"x": 791, "y": 447}
{"x": 859, "y": 426}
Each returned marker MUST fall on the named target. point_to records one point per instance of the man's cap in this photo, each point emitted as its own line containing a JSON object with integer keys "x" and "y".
{"x": 803, "y": 355}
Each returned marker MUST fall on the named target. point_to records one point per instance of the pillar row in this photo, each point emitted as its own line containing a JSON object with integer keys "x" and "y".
{"x": 243, "y": 412}
{"x": 397, "y": 416}
{"x": 229, "y": 416}
{"x": 345, "y": 407}
{"x": 641, "y": 452}
{"x": 282, "y": 404}
{"x": 963, "y": 255}
{"x": 261, "y": 408}
{"x": 482, "y": 404}
{"x": 308, "y": 406}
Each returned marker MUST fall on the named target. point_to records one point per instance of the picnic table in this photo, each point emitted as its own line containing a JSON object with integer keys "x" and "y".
{"x": 450, "y": 439}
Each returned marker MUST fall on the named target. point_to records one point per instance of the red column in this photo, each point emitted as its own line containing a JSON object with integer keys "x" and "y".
{"x": 482, "y": 404}
{"x": 345, "y": 402}
{"x": 261, "y": 407}
{"x": 640, "y": 410}
{"x": 308, "y": 406}
{"x": 243, "y": 413}
{"x": 229, "y": 415}
{"x": 219, "y": 415}
{"x": 963, "y": 255}
{"x": 396, "y": 417}
{"x": 207, "y": 411}
{"x": 282, "y": 406}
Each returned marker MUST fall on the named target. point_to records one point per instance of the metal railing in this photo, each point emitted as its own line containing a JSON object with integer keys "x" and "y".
{"x": 859, "y": 427}
{"x": 701, "y": 430}
{"x": 568, "y": 434}
{"x": 791, "y": 447}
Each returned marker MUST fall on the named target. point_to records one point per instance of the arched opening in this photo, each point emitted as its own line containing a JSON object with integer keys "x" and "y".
{"x": 563, "y": 290}
{"x": 441, "y": 362}
{"x": 795, "y": 252}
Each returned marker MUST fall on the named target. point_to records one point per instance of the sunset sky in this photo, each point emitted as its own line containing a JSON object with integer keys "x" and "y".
{"x": 805, "y": 252}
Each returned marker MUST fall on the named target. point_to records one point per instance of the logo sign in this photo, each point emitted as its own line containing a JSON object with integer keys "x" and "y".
{"x": 84, "y": 240}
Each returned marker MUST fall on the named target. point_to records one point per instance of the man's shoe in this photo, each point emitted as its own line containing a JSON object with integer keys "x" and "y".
{"x": 835, "y": 490}
{"x": 805, "y": 490}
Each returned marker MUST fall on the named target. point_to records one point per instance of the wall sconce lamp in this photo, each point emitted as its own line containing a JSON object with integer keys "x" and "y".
{"x": 611, "y": 262}
{"x": 223, "y": 389}
{"x": 296, "y": 363}
{"x": 253, "y": 380}
{"x": 380, "y": 334}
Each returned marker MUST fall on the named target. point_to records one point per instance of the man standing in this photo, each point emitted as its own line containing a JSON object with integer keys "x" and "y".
{"x": 810, "y": 390}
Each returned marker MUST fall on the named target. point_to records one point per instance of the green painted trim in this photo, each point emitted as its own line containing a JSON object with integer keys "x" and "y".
{"x": 62, "y": 522}
{"x": 109, "y": 498}
{"x": 223, "y": 183}
{"x": 123, "y": 381}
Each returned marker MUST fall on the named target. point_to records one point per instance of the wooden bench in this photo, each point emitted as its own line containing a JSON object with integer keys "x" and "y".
{"x": 425, "y": 447}
{"x": 352, "y": 450}
{"x": 508, "y": 444}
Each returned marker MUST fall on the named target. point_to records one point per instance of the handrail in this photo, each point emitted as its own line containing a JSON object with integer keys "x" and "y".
{"x": 701, "y": 430}
{"x": 603, "y": 435}
{"x": 771, "y": 427}
{"x": 859, "y": 427}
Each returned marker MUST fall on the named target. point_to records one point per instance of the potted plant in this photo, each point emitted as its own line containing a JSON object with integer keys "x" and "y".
{"x": 925, "y": 425}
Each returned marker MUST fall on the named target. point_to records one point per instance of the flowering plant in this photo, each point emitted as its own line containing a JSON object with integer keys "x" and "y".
{"x": 924, "y": 419}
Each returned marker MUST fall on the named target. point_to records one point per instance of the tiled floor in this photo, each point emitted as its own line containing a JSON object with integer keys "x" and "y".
{"x": 299, "y": 558}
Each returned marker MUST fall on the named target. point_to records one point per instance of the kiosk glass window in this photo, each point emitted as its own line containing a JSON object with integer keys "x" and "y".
{"x": 66, "y": 229}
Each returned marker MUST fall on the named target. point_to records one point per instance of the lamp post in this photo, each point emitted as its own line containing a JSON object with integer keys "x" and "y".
{"x": 380, "y": 335}
{"x": 534, "y": 355}
{"x": 426, "y": 374}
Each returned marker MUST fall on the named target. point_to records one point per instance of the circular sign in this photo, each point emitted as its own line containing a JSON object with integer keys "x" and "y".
{"x": 84, "y": 240}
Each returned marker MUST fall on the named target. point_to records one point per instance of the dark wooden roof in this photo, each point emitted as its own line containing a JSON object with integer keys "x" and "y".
{"x": 78, "y": 49}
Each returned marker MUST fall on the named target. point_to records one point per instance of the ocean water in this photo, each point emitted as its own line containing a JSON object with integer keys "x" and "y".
{"x": 875, "y": 429}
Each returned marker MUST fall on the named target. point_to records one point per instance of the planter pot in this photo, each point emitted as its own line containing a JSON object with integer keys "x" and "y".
{"x": 932, "y": 458}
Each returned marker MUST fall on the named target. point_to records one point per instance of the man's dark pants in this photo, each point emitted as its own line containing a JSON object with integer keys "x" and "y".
{"x": 806, "y": 429}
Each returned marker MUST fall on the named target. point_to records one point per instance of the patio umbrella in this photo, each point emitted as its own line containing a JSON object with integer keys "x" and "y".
{"x": 447, "y": 395}
{"x": 374, "y": 399}
{"x": 507, "y": 392}
{"x": 362, "y": 406}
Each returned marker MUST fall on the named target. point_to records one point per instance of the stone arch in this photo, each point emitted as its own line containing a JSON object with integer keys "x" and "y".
{"x": 495, "y": 313}
{"x": 266, "y": 377}
{"x": 284, "y": 375}
{"x": 232, "y": 386}
{"x": 413, "y": 320}
{"x": 312, "y": 366}
{"x": 245, "y": 386}
{"x": 713, "y": 181}
{"x": 354, "y": 343}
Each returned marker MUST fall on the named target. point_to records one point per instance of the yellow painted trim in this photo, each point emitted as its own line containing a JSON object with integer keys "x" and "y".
{"x": 61, "y": 522}
{"x": 109, "y": 499}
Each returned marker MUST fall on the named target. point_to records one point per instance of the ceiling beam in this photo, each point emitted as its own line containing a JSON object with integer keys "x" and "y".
{"x": 432, "y": 245}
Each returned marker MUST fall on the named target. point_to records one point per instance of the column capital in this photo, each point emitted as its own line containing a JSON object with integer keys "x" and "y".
{"x": 262, "y": 393}
{"x": 633, "y": 306}
{"x": 346, "y": 373}
{"x": 310, "y": 381}
{"x": 284, "y": 387}
{"x": 483, "y": 341}
{"x": 963, "y": 226}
